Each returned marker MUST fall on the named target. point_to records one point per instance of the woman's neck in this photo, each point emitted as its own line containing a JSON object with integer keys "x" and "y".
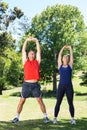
{"x": 65, "y": 65}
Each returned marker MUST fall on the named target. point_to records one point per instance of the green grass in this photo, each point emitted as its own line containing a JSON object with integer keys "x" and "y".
{"x": 37, "y": 124}
{"x": 32, "y": 118}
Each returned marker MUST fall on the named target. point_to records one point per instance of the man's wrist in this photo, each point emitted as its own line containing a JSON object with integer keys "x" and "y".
{"x": 37, "y": 40}
{"x": 26, "y": 40}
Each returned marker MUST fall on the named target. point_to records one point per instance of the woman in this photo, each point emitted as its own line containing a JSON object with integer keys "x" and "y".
{"x": 65, "y": 83}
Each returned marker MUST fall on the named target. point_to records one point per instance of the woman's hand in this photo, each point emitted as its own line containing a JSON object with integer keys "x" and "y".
{"x": 68, "y": 47}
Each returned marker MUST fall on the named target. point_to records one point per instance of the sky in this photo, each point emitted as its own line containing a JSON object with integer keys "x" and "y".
{"x": 33, "y": 7}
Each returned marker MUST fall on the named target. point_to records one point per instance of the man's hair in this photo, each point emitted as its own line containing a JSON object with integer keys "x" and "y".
{"x": 32, "y": 50}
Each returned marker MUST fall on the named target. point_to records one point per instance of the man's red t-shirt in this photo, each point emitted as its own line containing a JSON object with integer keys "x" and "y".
{"x": 31, "y": 70}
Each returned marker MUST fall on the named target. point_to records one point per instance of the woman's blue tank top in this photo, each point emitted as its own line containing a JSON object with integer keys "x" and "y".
{"x": 65, "y": 75}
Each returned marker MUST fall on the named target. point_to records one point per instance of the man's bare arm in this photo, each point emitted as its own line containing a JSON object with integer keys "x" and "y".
{"x": 38, "y": 54}
{"x": 24, "y": 55}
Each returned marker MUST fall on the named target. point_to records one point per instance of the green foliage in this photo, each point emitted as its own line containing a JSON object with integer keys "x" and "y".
{"x": 13, "y": 68}
{"x": 13, "y": 74}
{"x": 3, "y": 7}
{"x": 9, "y": 59}
{"x": 6, "y": 41}
{"x": 84, "y": 78}
{"x": 18, "y": 12}
{"x": 83, "y": 57}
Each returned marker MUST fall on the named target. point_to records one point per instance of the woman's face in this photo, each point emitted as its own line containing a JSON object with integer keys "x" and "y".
{"x": 65, "y": 59}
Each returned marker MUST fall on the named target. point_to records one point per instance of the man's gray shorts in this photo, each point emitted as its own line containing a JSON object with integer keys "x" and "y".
{"x": 29, "y": 89}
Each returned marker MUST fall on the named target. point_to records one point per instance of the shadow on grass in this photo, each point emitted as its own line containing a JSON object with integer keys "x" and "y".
{"x": 38, "y": 124}
{"x": 80, "y": 94}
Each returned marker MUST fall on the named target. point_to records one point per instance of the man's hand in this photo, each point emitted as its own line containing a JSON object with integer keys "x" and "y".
{"x": 32, "y": 39}
{"x": 29, "y": 39}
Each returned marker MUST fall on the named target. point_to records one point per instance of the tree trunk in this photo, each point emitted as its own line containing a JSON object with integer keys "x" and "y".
{"x": 1, "y": 88}
{"x": 54, "y": 81}
{"x": 54, "y": 73}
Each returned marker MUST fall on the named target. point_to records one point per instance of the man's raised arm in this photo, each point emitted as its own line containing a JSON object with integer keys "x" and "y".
{"x": 24, "y": 55}
{"x": 38, "y": 55}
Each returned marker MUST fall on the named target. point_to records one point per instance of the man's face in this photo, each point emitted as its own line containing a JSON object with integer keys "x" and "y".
{"x": 31, "y": 55}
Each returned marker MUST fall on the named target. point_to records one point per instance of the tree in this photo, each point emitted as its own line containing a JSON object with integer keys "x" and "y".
{"x": 2, "y": 78}
{"x": 14, "y": 71}
{"x": 55, "y": 27}
{"x": 7, "y": 16}
{"x": 6, "y": 42}
{"x": 84, "y": 57}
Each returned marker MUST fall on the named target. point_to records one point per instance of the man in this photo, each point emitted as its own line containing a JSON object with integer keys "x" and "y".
{"x": 65, "y": 83}
{"x": 31, "y": 76}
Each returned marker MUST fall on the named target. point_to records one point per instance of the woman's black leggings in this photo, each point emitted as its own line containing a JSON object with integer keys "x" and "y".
{"x": 62, "y": 89}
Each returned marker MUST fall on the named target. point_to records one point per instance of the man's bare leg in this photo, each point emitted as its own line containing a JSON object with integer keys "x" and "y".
{"x": 19, "y": 109}
{"x": 43, "y": 109}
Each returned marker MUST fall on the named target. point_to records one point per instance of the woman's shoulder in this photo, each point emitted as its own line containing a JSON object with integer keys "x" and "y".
{"x": 60, "y": 67}
{"x": 70, "y": 66}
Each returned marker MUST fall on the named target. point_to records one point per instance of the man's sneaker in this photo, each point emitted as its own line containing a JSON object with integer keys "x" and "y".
{"x": 46, "y": 120}
{"x": 73, "y": 122}
{"x": 15, "y": 120}
{"x": 55, "y": 121}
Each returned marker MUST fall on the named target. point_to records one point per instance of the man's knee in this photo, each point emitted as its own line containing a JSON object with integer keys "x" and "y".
{"x": 22, "y": 101}
{"x": 39, "y": 100}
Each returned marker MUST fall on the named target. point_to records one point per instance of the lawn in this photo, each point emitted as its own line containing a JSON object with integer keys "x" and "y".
{"x": 32, "y": 118}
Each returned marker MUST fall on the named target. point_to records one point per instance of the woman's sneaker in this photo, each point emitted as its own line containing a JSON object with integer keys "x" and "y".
{"x": 73, "y": 122}
{"x": 55, "y": 121}
{"x": 15, "y": 120}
